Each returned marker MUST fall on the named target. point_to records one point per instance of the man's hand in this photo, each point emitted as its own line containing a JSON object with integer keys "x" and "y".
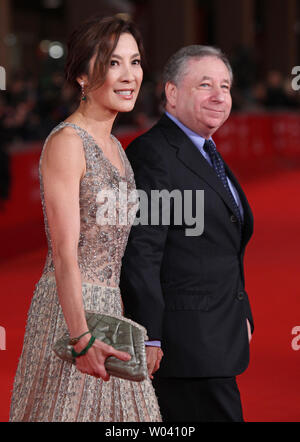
{"x": 249, "y": 331}
{"x": 154, "y": 356}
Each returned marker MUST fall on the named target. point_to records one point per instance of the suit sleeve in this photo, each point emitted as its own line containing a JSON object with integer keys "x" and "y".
{"x": 140, "y": 275}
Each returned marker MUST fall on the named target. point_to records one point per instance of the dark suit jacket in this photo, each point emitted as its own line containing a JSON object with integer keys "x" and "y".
{"x": 188, "y": 291}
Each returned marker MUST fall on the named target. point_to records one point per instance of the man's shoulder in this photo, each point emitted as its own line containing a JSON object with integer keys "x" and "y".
{"x": 155, "y": 138}
{"x": 148, "y": 138}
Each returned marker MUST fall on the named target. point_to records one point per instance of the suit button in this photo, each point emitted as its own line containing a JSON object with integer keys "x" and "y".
{"x": 233, "y": 219}
{"x": 240, "y": 296}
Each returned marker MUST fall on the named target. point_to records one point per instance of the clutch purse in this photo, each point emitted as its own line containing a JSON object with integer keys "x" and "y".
{"x": 121, "y": 333}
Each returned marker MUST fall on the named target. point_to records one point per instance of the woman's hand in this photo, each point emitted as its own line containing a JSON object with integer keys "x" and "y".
{"x": 92, "y": 362}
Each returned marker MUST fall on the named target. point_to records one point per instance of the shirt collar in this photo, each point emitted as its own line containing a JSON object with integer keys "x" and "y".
{"x": 194, "y": 137}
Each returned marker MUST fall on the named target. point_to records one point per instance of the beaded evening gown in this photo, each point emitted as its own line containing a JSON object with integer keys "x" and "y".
{"x": 46, "y": 389}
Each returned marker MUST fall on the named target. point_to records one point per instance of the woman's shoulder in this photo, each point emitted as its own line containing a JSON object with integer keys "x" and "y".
{"x": 63, "y": 144}
{"x": 63, "y": 136}
{"x": 64, "y": 130}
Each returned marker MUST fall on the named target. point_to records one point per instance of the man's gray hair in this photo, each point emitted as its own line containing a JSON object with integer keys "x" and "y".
{"x": 176, "y": 66}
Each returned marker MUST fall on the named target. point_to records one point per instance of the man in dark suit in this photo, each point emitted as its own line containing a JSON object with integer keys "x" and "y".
{"x": 187, "y": 288}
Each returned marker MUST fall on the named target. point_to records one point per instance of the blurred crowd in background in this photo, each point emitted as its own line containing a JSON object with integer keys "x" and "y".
{"x": 31, "y": 106}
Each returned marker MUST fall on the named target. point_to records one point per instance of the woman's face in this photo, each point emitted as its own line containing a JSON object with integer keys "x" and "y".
{"x": 123, "y": 79}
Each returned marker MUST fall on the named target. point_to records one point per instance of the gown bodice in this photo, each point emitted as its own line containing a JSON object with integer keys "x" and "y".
{"x": 108, "y": 204}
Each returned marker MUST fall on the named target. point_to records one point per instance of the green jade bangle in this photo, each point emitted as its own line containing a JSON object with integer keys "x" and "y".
{"x": 85, "y": 350}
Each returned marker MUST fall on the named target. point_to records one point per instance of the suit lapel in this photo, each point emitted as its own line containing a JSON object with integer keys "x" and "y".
{"x": 190, "y": 156}
{"x": 248, "y": 216}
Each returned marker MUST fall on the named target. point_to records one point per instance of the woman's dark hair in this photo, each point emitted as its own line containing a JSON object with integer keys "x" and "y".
{"x": 96, "y": 36}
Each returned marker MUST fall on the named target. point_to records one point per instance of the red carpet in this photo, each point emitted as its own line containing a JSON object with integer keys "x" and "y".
{"x": 270, "y": 387}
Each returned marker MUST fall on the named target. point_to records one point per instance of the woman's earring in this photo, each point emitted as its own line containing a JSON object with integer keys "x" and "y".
{"x": 83, "y": 96}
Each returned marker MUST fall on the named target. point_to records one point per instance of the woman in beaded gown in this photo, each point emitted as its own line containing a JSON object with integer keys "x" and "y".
{"x": 80, "y": 160}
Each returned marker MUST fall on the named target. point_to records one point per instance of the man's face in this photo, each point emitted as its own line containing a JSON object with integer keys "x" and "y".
{"x": 202, "y": 99}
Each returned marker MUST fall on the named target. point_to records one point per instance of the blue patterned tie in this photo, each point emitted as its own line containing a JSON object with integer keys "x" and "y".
{"x": 219, "y": 167}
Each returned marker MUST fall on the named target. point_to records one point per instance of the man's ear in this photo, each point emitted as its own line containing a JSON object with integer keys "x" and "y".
{"x": 171, "y": 94}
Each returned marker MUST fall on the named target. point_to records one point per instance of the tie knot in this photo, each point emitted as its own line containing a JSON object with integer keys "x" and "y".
{"x": 209, "y": 146}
